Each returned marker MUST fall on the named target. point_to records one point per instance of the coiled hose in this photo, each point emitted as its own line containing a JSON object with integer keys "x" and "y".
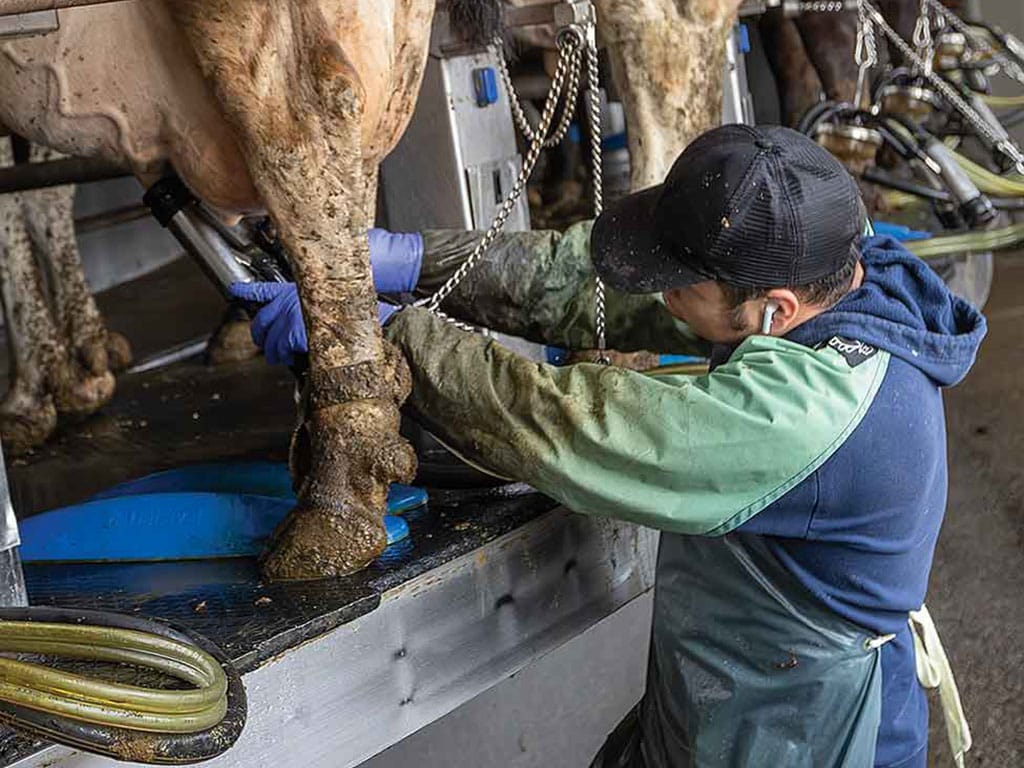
{"x": 127, "y": 722}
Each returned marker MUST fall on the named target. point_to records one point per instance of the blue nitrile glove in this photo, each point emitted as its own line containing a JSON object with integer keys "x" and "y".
{"x": 385, "y": 311}
{"x": 277, "y": 328}
{"x": 395, "y": 259}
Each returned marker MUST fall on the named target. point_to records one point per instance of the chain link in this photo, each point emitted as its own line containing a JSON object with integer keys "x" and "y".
{"x": 519, "y": 114}
{"x": 1004, "y": 145}
{"x": 822, "y": 6}
{"x": 594, "y": 99}
{"x": 865, "y": 53}
{"x": 569, "y": 59}
{"x": 923, "y": 37}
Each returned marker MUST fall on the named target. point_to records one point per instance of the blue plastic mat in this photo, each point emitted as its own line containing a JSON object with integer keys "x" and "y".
{"x": 198, "y": 512}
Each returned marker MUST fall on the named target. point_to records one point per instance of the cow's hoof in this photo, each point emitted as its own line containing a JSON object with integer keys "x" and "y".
{"x": 314, "y": 543}
{"x": 84, "y": 394}
{"x": 119, "y": 351}
{"x": 24, "y": 425}
{"x": 232, "y": 341}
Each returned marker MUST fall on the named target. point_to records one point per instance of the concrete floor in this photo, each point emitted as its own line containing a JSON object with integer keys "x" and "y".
{"x": 978, "y": 577}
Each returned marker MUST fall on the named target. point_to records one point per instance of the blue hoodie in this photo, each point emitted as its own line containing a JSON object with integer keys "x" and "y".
{"x": 860, "y": 532}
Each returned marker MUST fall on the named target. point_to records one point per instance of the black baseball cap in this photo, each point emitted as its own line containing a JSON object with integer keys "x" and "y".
{"x": 753, "y": 207}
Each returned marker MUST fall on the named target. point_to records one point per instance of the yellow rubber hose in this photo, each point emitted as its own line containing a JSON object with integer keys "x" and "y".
{"x": 679, "y": 369}
{"x": 102, "y": 702}
{"x": 1003, "y": 101}
{"x": 1011, "y": 185}
{"x": 992, "y": 240}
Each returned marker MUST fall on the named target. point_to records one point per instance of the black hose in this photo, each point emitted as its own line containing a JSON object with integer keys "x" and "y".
{"x": 919, "y": 190}
{"x": 121, "y": 743}
{"x": 820, "y": 112}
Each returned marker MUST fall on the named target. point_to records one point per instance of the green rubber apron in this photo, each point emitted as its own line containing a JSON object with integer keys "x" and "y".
{"x": 748, "y": 669}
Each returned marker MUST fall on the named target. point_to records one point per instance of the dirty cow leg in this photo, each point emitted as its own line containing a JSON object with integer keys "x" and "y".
{"x": 296, "y": 104}
{"x": 27, "y": 414}
{"x": 668, "y": 60}
{"x": 50, "y": 223}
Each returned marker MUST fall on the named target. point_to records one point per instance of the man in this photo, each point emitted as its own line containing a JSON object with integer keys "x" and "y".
{"x": 799, "y": 486}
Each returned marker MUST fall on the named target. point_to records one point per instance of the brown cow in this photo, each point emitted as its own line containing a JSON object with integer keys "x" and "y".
{"x": 283, "y": 106}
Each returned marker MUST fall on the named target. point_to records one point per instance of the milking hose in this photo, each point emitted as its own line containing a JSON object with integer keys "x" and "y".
{"x": 117, "y": 719}
{"x": 1003, "y": 101}
{"x": 979, "y": 242}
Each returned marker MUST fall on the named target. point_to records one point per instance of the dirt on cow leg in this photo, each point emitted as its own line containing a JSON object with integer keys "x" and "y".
{"x": 297, "y": 106}
{"x": 83, "y": 378}
{"x": 27, "y": 412}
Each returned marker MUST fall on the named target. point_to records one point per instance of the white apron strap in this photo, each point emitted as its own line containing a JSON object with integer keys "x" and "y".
{"x": 933, "y": 671}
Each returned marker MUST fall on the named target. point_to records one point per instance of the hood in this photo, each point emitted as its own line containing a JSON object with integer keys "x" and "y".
{"x": 905, "y": 308}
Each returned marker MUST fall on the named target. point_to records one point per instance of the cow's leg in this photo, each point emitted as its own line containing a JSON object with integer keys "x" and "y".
{"x": 668, "y": 59}
{"x": 87, "y": 383}
{"x": 829, "y": 39}
{"x": 27, "y": 413}
{"x": 798, "y": 83}
{"x": 296, "y": 104}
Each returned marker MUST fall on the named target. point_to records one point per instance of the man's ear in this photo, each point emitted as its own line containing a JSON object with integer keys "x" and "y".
{"x": 787, "y": 310}
{"x": 670, "y": 298}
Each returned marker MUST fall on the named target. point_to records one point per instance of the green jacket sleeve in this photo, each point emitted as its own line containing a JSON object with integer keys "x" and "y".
{"x": 697, "y": 455}
{"x": 539, "y": 285}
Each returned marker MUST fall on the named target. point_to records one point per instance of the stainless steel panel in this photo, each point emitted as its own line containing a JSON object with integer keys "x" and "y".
{"x": 737, "y": 103}
{"x": 433, "y": 644}
{"x": 25, "y": 24}
{"x": 442, "y": 173}
{"x": 8, "y": 522}
{"x": 489, "y": 183}
{"x": 422, "y": 179}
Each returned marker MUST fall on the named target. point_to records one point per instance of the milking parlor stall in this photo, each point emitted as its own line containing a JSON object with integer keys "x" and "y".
{"x": 209, "y": 558}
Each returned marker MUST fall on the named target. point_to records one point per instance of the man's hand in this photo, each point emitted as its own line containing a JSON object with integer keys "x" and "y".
{"x": 278, "y": 328}
{"x": 395, "y": 259}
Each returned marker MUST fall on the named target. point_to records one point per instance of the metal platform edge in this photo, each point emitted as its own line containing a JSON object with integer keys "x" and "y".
{"x": 433, "y": 644}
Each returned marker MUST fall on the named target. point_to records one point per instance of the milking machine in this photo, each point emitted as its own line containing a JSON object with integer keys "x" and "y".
{"x": 926, "y": 131}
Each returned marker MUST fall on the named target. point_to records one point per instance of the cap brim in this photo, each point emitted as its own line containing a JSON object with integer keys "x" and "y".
{"x": 628, "y": 252}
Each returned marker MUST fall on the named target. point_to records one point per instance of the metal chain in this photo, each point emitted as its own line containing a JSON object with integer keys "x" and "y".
{"x": 923, "y": 37}
{"x": 594, "y": 99}
{"x": 1004, "y": 145}
{"x": 822, "y": 6}
{"x": 1010, "y": 67}
{"x": 569, "y": 45}
{"x": 519, "y": 114}
{"x": 865, "y": 53}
